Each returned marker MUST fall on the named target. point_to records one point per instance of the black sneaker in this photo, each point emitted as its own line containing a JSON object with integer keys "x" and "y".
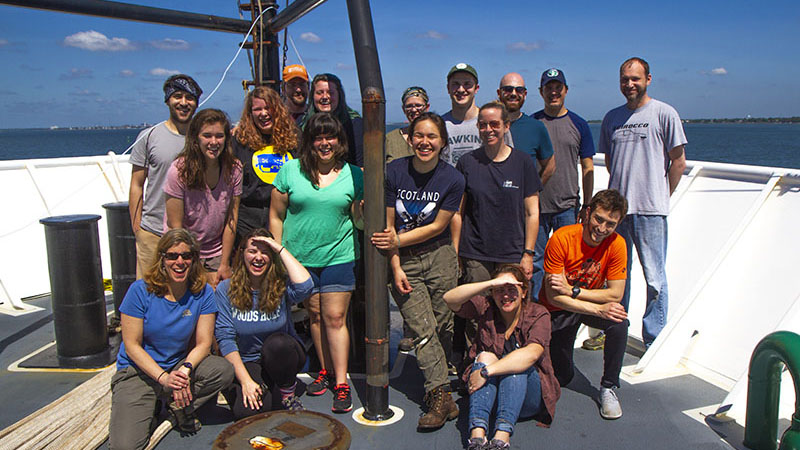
{"x": 342, "y": 401}
{"x": 477, "y": 443}
{"x": 320, "y": 385}
{"x": 497, "y": 444}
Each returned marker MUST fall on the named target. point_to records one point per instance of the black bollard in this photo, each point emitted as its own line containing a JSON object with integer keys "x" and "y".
{"x": 76, "y": 282}
{"x": 122, "y": 246}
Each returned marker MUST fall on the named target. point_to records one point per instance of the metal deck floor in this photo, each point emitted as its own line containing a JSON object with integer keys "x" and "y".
{"x": 658, "y": 415}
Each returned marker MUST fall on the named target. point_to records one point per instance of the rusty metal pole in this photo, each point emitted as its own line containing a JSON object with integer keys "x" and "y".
{"x": 377, "y": 301}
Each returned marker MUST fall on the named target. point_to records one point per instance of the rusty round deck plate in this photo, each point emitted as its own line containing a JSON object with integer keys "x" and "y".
{"x": 296, "y": 429}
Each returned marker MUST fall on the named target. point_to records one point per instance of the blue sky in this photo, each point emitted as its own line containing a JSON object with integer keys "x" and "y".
{"x": 708, "y": 58}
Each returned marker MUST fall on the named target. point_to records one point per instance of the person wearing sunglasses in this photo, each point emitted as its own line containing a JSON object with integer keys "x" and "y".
{"x": 203, "y": 188}
{"x": 254, "y": 326}
{"x": 415, "y": 102}
{"x": 510, "y": 359}
{"x": 499, "y": 212}
{"x": 167, "y": 328}
{"x": 526, "y": 133}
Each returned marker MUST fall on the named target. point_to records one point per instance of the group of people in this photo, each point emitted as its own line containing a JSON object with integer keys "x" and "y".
{"x": 472, "y": 197}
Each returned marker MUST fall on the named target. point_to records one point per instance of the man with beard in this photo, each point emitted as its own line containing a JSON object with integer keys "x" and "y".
{"x": 643, "y": 142}
{"x": 572, "y": 143}
{"x": 586, "y": 266}
{"x": 151, "y": 157}
{"x": 295, "y": 90}
{"x": 527, "y": 134}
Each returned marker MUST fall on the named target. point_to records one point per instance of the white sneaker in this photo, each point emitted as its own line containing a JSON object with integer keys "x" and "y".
{"x": 609, "y": 404}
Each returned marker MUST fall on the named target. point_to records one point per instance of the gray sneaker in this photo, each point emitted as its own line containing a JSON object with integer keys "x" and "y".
{"x": 609, "y": 404}
{"x": 292, "y": 403}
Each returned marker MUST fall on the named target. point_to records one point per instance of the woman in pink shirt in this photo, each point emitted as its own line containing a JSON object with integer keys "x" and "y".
{"x": 202, "y": 191}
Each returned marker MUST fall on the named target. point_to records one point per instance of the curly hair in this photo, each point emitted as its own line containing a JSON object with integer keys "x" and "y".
{"x": 272, "y": 286}
{"x": 192, "y": 167}
{"x": 284, "y": 131}
{"x": 320, "y": 124}
{"x": 156, "y": 278}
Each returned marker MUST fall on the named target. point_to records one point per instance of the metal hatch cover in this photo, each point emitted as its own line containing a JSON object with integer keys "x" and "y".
{"x": 295, "y": 429}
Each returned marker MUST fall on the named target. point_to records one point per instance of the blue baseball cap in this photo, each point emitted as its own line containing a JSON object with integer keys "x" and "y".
{"x": 552, "y": 74}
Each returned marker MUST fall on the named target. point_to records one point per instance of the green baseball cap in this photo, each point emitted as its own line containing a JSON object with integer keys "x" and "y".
{"x": 463, "y": 67}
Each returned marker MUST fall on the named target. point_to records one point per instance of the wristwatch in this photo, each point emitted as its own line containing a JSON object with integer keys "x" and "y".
{"x": 576, "y": 291}
{"x": 484, "y": 373}
{"x": 188, "y": 365}
{"x": 528, "y": 251}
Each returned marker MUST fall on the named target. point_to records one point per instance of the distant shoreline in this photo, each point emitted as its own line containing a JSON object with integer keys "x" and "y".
{"x": 737, "y": 120}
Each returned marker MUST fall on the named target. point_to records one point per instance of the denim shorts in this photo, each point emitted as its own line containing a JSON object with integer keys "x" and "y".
{"x": 335, "y": 278}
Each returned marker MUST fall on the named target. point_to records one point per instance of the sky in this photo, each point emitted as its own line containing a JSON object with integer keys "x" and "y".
{"x": 709, "y": 59}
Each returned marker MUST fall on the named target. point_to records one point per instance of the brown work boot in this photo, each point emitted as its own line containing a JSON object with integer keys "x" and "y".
{"x": 441, "y": 408}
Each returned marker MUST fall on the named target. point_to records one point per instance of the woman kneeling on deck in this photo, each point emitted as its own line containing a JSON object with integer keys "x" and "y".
{"x": 254, "y": 326}
{"x": 167, "y": 329}
{"x": 511, "y": 365}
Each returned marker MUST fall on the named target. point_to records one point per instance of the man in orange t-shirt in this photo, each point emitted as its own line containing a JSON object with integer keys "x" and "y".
{"x": 585, "y": 272}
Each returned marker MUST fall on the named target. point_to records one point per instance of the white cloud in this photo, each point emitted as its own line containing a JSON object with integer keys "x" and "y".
{"x": 83, "y": 93}
{"x": 76, "y": 74}
{"x": 311, "y": 37}
{"x": 432, "y": 34}
{"x": 93, "y": 41}
{"x": 127, "y": 73}
{"x": 343, "y": 66}
{"x": 719, "y": 71}
{"x": 525, "y": 46}
{"x": 3, "y": 42}
{"x": 170, "y": 44}
{"x": 161, "y": 72}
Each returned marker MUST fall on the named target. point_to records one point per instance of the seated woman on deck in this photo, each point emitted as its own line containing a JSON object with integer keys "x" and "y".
{"x": 511, "y": 367}
{"x": 202, "y": 191}
{"x": 254, "y": 325}
{"x": 167, "y": 330}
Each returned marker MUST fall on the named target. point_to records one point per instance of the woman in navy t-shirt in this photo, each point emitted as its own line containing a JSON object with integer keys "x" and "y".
{"x": 422, "y": 195}
{"x": 254, "y": 325}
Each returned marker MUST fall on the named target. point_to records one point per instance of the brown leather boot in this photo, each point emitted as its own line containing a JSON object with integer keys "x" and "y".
{"x": 441, "y": 408}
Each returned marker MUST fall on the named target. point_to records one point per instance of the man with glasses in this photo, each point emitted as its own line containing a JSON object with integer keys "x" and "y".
{"x": 572, "y": 143}
{"x": 462, "y": 120}
{"x": 415, "y": 102}
{"x": 527, "y": 134}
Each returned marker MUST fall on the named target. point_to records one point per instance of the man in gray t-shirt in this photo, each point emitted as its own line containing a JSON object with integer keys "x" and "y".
{"x": 643, "y": 142}
{"x": 462, "y": 120}
{"x": 151, "y": 156}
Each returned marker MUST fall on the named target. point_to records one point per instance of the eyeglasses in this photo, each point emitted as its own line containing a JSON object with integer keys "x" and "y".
{"x": 173, "y": 256}
{"x": 494, "y": 124}
{"x": 509, "y": 89}
{"x": 413, "y": 107}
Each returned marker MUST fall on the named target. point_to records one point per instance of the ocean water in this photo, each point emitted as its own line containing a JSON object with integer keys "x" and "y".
{"x": 760, "y": 144}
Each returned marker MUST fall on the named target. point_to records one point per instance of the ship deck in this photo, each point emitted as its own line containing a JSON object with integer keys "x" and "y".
{"x": 666, "y": 413}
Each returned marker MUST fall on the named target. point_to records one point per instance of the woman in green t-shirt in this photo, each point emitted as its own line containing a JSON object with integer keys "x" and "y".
{"x": 315, "y": 207}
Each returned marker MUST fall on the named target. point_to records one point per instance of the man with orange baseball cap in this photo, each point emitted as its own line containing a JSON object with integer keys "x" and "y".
{"x": 295, "y": 90}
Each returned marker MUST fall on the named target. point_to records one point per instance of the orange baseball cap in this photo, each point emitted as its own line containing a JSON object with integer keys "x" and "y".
{"x": 294, "y": 71}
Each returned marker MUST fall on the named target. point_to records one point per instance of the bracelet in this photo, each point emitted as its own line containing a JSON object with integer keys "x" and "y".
{"x": 158, "y": 380}
{"x": 279, "y": 251}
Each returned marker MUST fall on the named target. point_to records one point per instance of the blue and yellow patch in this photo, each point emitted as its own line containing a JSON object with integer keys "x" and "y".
{"x": 267, "y": 163}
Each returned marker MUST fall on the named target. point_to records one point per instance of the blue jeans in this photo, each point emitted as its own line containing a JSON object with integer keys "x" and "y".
{"x": 547, "y": 222}
{"x": 518, "y": 395}
{"x": 649, "y": 235}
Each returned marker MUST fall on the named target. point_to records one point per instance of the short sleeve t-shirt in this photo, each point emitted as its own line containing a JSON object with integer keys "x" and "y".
{"x": 584, "y": 266}
{"x": 246, "y": 331}
{"x": 462, "y": 138}
{"x": 155, "y": 149}
{"x": 318, "y": 228}
{"x": 397, "y": 146}
{"x": 204, "y": 210}
{"x": 493, "y": 219}
{"x": 418, "y": 197}
{"x": 530, "y": 136}
{"x": 168, "y": 326}
{"x": 572, "y": 141}
{"x": 637, "y": 143}
{"x": 259, "y": 168}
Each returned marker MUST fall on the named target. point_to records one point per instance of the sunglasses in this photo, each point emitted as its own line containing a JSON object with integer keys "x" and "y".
{"x": 173, "y": 256}
{"x": 509, "y": 89}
